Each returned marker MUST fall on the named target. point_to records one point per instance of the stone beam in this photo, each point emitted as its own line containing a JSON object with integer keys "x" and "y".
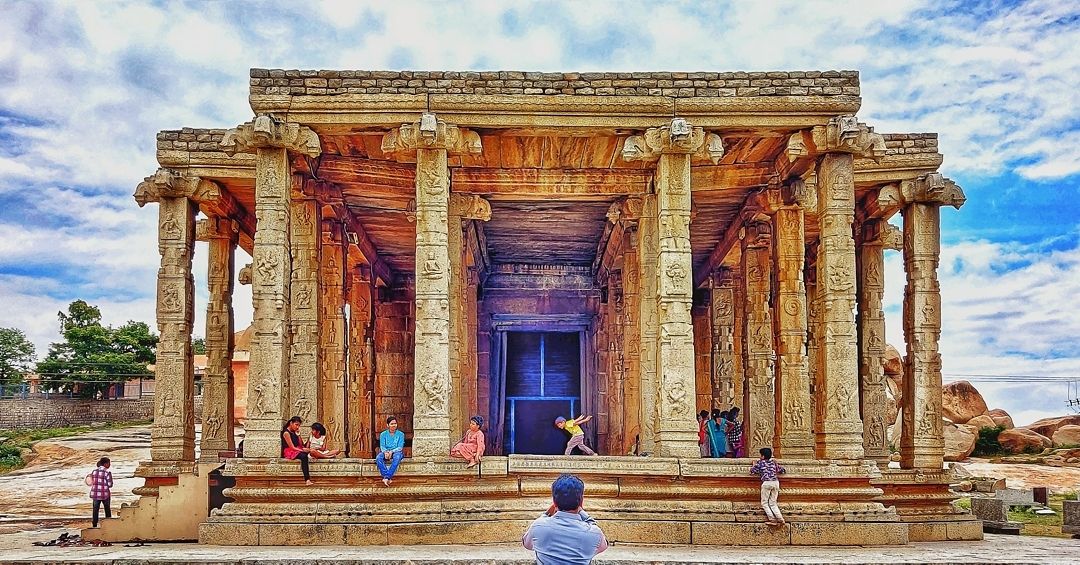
{"x": 330, "y": 194}
{"x": 530, "y": 184}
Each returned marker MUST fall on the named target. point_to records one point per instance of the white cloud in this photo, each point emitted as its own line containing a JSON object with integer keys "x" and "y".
{"x": 1003, "y": 315}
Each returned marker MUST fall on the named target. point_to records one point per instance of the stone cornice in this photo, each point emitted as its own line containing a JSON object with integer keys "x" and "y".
{"x": 431, "y": 133}
{"x": 167, "y": 183}
{"x": 331, "y": 113}
{"x": 267, "y": 131}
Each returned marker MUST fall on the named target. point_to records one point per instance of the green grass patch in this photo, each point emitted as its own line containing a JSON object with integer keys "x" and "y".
{"x": 18, "y": 440}
{"x": 1049, "y": 525}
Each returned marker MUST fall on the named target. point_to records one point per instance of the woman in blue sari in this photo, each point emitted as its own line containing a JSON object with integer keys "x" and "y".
{"x": 718, "y": 426}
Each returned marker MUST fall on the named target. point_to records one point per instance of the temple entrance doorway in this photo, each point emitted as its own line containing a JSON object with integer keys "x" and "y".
{"x": 543, "y": 381}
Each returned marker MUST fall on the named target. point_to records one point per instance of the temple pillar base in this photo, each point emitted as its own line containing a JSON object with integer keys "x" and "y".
{"x": 170, "y": 508}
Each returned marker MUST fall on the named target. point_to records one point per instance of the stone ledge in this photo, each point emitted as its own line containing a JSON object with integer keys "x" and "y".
{"x": 583, "y": 465}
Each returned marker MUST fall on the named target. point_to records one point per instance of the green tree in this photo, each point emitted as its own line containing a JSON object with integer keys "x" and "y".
{"x": 16, "y": 356}
{"x": 92, "y": 356}
{"x": 198, "y": 346}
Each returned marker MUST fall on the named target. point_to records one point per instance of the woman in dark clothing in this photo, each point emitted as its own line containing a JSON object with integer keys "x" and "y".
{"x": 293, "y": 448}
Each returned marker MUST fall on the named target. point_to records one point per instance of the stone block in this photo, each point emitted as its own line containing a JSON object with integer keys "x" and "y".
{"x": 558, "y": 464}
{"x": 930, "y": 531}
{"x": 366, "y": 534}
{"x": 652, "y": 532}
{"x": 862, "y": 533}
{"x": 1070, "y": 517}
{"x": 229, "y": 534}
{"x": 305, "y": 534}
{"x": 964, "y": 530}
{"x": 494, "y": 531}
{"x": 493, "y": 466}
{"x": 992, "y": 509}
{"x": 728, "y": 533}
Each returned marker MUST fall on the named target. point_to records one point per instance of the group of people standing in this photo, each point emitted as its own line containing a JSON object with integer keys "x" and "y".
{"x": 720, "y": 433}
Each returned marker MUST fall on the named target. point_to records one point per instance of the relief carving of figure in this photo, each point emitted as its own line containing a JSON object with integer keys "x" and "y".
{"x": 437, "y": 390}
{"x": 170, "y": 298}
{"x": 676, "y": 273}
{"x": 267, "y": 267}
{"x": 677, "y": 395}
{"x": 303, "y": 297}
{"x": 170, "y": 227}
{"x": 877, "y": 431}
{"x": 302, "y": 406}
{"x": 212, "y": 426}
{"x": 432, "y": 270}
{"x": 839, "y": 401}
{"x": 262, "y": 405}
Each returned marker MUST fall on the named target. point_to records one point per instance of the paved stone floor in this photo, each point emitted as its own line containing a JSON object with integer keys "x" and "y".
{"x": 17, "y": 548}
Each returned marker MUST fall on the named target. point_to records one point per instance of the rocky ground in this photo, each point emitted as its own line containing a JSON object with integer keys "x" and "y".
{"x": 1059, "y": 479}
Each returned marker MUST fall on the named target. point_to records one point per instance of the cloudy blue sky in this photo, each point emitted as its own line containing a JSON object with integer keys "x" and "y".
{"x": 85, "y": 85}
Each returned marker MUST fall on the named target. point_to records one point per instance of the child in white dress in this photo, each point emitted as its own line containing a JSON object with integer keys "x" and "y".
{"x": 317, "y": 443}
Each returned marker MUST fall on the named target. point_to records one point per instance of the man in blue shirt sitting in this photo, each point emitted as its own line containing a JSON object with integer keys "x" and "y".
{"x": 565, "y": 534}
{"x": 391, "y": 450}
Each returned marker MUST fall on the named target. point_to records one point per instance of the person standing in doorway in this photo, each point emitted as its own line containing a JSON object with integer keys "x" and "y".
{"x": 101, "y": 483}
{"x": 577, "y": 435}
{"x": 736, "y": 440}
{"x": 565, "y": 534}
{"x": 391, "y": 450}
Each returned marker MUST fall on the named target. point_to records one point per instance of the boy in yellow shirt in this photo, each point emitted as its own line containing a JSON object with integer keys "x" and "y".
{"x": 577, "y": 435}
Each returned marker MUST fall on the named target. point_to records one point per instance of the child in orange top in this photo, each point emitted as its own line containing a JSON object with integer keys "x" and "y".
{"x": 577, "y": 435}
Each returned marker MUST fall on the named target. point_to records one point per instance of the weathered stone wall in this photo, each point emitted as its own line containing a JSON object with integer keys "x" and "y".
{"x": 57, "y": 412}
{"x": 190, "y": 139}
{"x": 679, "y": 85}
{"x": 908, "y": 143}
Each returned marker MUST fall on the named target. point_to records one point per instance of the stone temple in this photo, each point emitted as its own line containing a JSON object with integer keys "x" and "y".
{"x": 635, "y": 246}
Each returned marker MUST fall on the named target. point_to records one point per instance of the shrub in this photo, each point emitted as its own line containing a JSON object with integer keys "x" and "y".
{"x": 10, "y": 456}
{"x": 987, "y": 444}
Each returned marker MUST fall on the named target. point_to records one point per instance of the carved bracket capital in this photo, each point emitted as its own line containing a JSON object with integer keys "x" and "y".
{"x": 244, "y": 276}
{"x": 431, "y": 133}
{"x": 891, "y": 237}
{"x": 846, "y": 134}
{"x": 470, "y": 207}
{"x": 798, "y": 192}
{"x": 932, "y": 188}
{"x": 267, "y": 131}
{"x": 167, "y": 183}
{"x": 677, "y": 137}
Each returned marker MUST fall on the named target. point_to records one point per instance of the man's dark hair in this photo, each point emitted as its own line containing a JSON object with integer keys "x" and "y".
{"x": 766, "y": 452}
{"x": 390, "y": 419}
{"x": 567, "y": 491}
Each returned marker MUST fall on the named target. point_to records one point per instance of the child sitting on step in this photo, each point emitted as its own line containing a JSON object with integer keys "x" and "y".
{"x": 317, "y": 443}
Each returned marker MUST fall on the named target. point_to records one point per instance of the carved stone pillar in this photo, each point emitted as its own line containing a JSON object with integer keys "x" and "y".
{"x": 760, "y": 351}
{"x": 431, "y": 140}
{"x": 672, "y": 146}
{"x": 462, "y": 210}
{"x": 361, "y": 405}
{"x": 739, "y": 388}
{"x": 303, "y": 399}
{"x": 813, "y": 326}
{"x": 172, "y": 437}
{"x": 332, "y": 331}
{"x": 723, "y": 326}
{"x": 796, "y": 438}
{"x": 841, "y": 434}
{"x": 270, "y": 140}
{"x": 217, "y": 410}
{"x": 631, "y": 347}
{"x": 876, "y": 235}
{"x": 922, "y": 443}
{"x": 648, "y": 251}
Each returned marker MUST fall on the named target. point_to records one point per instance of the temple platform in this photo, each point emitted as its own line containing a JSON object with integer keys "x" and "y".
{"x": 636, "y": 500}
